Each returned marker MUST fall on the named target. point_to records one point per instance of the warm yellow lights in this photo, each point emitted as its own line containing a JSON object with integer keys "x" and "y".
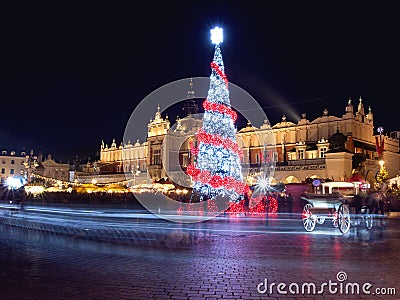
{"x": 94, "y": 186}
{"x": 34, "y": 189}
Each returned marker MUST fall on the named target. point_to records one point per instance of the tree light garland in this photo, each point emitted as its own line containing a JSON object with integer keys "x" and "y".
{"x": 216, "y": 181}
{"x": 217, "y": 169}
{"x": 219, "y": 72}
{"x": 223, "y": 109}
{"x": 216, "y": 140}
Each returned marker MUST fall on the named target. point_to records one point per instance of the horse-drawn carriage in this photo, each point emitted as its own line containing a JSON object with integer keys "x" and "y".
{"x": 340, "y": 203}
{"x": 321, "y": 207}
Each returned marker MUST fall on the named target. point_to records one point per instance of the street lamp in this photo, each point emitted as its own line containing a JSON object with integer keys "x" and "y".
{"x": 135, "y": 173}
{"x": 30, "y": 164}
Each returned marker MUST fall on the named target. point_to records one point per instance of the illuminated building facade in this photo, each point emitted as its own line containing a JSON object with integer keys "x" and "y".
{"x": 328, "y": 147}
{"x": 49, "y": 168}
{"x": 21, "y": 164}
{"x": 12, "y": 164}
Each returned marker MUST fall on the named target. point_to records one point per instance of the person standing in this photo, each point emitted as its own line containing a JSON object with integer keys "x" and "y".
{"x": 289, "y": 203}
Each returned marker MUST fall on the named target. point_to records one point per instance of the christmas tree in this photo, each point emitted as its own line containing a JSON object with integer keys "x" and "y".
{"x": 216, "y": 170}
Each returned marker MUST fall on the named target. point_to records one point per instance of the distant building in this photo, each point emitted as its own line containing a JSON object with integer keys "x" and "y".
{"x": 49, "y": 168}
{"x": 12, "y": 164}
{"x": 26, "y": 165}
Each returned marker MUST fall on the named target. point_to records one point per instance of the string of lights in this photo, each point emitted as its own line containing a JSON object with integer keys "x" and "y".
{"x": 216, "y": 169}
{"x": 56, "y": 181}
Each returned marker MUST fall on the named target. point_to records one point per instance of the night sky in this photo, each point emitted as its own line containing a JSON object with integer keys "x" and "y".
{"x": 71, "y": 75}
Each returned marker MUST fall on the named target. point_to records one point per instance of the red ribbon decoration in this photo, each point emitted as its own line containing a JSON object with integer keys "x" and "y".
{"x": 223, "y": 109}
{"x": 221, "y": 74}
{"x": 194, "y": 150}
{"x": 216, "y": 181}
{"x": 217, "y": 140}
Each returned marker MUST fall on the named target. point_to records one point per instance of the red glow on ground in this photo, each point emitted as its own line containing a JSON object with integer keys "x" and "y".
{"x": 256, "y": 206}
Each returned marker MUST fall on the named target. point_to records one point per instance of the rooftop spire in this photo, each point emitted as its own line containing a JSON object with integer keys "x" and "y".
{"x": 349, "y": 107}
{"x": 190, "y": 93}
{"x": 158, "y": 114}
{"x": 190, "y": 107}
{"x": 360, "y": 107}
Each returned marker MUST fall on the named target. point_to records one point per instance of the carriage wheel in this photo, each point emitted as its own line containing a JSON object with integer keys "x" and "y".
{"x": 344, "y": 218}
{"x": 308, "y": 219}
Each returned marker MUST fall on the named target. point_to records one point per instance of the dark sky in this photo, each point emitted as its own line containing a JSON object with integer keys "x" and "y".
{"x": 71, "y": 74}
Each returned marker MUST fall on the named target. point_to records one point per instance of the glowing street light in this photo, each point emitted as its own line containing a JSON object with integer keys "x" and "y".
{"x": 15, "y": 182}
{"x": 135, "y": 173}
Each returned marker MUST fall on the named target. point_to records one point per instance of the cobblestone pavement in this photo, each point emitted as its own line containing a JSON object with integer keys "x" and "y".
{"x": 226, "y": 258}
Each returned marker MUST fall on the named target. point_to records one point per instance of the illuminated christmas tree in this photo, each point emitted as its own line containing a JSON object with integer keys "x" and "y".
{"x": 217, "y": 170}
{"x": 383, "y": 175}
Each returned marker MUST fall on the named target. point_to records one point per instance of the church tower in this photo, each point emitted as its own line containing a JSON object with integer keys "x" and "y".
{"x": 190, "y": 107}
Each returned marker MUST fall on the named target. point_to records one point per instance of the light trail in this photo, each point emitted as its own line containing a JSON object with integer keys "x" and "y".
{"x": 139, "y": 220}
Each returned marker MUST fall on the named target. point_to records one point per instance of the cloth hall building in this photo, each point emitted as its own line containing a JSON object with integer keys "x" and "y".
{"x": 328, "y": 147}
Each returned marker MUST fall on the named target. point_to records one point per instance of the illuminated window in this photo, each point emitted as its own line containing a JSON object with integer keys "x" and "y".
{"x": 267, "y": 156}
{"x": 322, "y": 152}
{"x": 275, "y": 156}
{"x": 157, "y": 157}
{"x": 300, "y": 154}
{"x": 185, "y": 160}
